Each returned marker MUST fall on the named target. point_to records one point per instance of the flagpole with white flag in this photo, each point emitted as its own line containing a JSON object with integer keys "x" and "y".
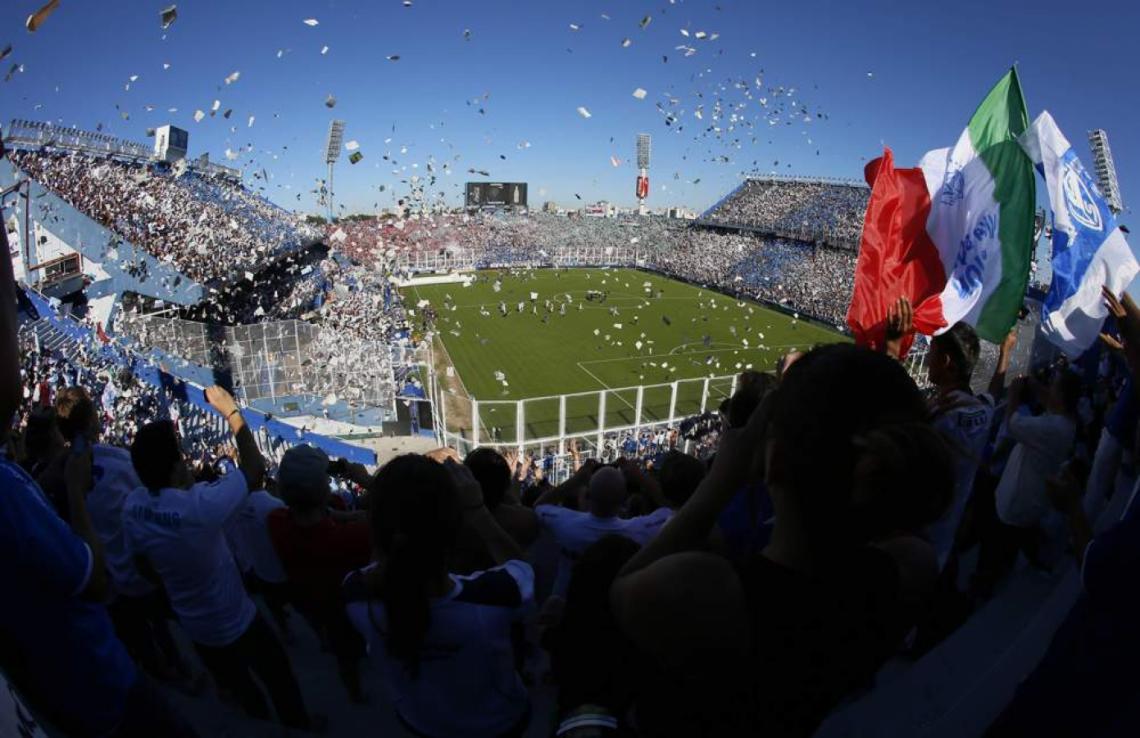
{"x": 1089, "y": 250}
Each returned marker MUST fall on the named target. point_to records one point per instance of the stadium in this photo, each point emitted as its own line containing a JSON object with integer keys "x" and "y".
{"x": 307, "y": 446}
{"x": 669, "y": 311}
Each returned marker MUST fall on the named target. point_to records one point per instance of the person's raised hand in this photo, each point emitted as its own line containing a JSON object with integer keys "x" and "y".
{"x": 1112, "y": 302}
{"x": 900, "y": 319}
{"x": 442, "y": 454}
{"x": 1010, "y": 341}
{"x": 1111, "y": 343}
{"x": 221, "y": 400}
{"x": 1130, "y": 306}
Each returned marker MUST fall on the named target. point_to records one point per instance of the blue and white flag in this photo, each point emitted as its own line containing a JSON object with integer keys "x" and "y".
{"x": 1089, "y": 251}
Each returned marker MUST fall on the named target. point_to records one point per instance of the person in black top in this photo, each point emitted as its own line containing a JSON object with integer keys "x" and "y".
{"x": 771, "y": 646}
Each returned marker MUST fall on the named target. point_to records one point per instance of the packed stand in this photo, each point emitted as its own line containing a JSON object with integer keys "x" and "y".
{"x": 806, "y": 209}
{"x": 814, "y": 279}
{"x": 208, "y": 228}
{"x": 753, "y": 594}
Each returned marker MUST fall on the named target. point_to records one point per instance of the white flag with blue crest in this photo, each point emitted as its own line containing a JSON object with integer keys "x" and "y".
{"x": 1089, "y": 250}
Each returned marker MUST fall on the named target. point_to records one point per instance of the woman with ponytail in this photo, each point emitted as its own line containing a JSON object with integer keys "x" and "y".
{"x": 854, "y": 470}
{"x": 442, "y": 640}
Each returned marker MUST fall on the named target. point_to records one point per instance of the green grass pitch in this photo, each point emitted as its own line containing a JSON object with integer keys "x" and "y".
{"x": 649, "y": 331}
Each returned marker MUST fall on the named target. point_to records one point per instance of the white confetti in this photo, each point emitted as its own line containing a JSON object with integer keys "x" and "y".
{"x": 583, "y": 112}
{"x": 310, "y": 22}
{"x": 640, "y": 93}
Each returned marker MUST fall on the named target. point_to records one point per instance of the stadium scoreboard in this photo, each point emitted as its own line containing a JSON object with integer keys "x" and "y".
{"x": 496, "y": 194}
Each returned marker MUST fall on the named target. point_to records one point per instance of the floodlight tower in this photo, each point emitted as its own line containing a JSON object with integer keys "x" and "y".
{"x": 643, "y": 142}
{"x": 332, "y": 153}
{"x": 1105, "y": 169}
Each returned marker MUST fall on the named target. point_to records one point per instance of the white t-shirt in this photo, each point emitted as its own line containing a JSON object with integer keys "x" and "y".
{"x": 180, "y": 532}
{"x": 574, "y": 532}
{"x": 467, "y": 684}
{"x": 248, "y": 537}
{"x": 966, "y": 428}
{"x": 1043, "y": 445}
{"x": 113, "y": 476}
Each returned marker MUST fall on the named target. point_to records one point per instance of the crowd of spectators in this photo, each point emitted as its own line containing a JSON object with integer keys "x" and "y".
{"x": 800, "y": 275}
{"x": 810, "y": 210}
{"x": 751, "y": 593}
{"x": 123, "y": 403}
{"x": 209, "y": 228}
{"x": 816, "y": 280}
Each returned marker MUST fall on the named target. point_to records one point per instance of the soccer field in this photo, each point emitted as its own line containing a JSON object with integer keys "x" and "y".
{"x": 639, "y": 330}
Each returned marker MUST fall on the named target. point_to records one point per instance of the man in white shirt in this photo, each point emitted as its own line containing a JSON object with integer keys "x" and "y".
{"x": 574, "y": 531}
{"x": 177, "y": 526}
{"x": 1044, "y": 443}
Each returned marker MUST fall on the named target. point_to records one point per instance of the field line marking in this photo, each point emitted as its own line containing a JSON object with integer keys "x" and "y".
{"x": 604, "y": 385}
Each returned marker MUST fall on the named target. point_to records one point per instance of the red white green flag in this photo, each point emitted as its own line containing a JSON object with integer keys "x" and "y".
{"x": 955, "y": 235}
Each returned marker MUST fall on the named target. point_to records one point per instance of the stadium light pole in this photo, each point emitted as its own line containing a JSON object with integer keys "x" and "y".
{"x": 643, "y": 145}
{"x": 1105, "y": 169}
{"x": 332, "y": 153}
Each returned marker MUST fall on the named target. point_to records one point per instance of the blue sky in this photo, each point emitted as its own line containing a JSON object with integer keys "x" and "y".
{"x": 528, "y": 72}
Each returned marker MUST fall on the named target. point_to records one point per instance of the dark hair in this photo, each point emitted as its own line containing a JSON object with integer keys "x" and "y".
{"x": 414, "y": 522}
{"x": 752, "y": 388}
{"x": 679, "y": 476}
{"x": 492, "y": 472}
{"x": 960, "y": 343}
{"x": 855, "y": 447}
{"x": 155, "y": 452}
{"x": 75, "y": 410}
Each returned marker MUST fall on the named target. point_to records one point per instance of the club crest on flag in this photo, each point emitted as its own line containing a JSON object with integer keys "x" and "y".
{"x": 954, "y": 189}
{"x": 1079, "y": 195}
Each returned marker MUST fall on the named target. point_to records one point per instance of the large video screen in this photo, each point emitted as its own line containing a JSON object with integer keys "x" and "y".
{"x": 496, "y": 194}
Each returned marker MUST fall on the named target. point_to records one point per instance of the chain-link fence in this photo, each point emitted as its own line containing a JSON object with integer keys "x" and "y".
{"x": 278, "y": 359}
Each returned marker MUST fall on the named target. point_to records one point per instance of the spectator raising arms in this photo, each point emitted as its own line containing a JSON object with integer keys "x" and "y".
{"x": 176, "y": 527}
{"x": 605, "y": 493}
{"x": 770, "y": 648}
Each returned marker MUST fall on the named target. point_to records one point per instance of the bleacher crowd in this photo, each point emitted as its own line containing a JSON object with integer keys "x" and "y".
{"x": 796, "y": 208}
{"x": 753, "y": 594}
{"x": 813, "y": 279}
{"x": 209, "y": 228}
